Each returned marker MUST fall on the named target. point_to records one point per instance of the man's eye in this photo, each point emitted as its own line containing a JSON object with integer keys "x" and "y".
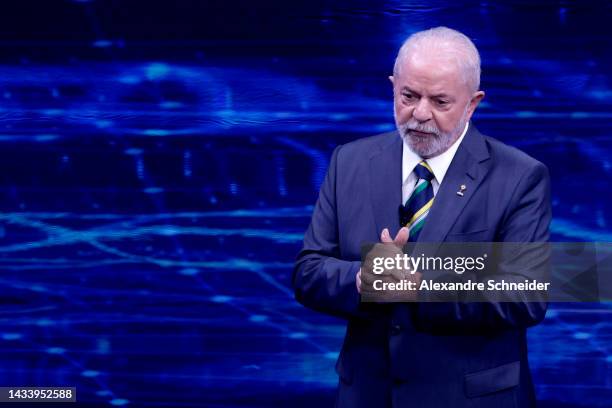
{"x": 408, "y": 96}
{"x": 442, "y": 102}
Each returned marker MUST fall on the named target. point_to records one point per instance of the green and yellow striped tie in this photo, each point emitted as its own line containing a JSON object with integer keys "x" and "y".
{"x": 420, "y": 201}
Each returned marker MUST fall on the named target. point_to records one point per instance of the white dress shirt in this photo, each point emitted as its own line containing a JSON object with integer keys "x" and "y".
{"x": 438, "y": 164}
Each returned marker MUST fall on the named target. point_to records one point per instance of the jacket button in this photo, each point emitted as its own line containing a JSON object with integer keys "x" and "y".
{"x": 396, "y": 329}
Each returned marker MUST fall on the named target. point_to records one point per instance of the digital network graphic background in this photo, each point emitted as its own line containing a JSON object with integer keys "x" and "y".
{"x": 159, "y": 162}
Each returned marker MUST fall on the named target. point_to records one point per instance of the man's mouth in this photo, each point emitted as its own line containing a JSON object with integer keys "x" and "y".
{"x": 418, "y": 133}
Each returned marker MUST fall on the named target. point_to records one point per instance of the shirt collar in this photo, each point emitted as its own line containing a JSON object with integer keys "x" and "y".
{"x": 439, "y": 164}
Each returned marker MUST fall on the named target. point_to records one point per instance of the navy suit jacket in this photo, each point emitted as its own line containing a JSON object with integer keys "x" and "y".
{"x": 425, "y": 354}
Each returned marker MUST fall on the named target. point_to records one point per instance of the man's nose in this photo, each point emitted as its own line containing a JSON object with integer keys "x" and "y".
{"x": 422, "y": 111}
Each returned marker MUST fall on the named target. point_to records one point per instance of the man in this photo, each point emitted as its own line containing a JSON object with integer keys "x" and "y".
{"x": 470, "y": 188}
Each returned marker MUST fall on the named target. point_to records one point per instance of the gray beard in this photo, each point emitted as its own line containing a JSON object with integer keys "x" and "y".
{"x": 434, "y": 144}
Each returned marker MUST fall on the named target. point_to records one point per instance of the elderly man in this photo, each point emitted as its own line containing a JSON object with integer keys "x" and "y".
{"x": 452, "y": 184}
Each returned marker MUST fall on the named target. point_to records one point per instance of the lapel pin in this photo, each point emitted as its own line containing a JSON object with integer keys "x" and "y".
{"x": 462, "y": 188}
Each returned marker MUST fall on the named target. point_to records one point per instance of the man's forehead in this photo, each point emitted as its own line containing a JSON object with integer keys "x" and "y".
{"x": 434, "y": 71}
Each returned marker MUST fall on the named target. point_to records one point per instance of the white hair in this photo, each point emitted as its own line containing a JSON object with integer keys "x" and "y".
{"x": 452, "y": 44}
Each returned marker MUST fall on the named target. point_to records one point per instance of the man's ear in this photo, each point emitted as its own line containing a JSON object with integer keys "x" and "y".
{"x": 392, "y": 79}
{"x": 476, "y": 98}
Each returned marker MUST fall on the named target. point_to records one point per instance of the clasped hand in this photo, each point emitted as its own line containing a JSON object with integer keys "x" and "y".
{"x": 388, "y": 248}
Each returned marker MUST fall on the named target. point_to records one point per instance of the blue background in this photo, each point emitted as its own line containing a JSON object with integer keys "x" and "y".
{"x": 159, "y": 162}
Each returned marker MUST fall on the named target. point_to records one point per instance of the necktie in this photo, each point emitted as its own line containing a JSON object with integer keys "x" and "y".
{"x": 414, "y": 212}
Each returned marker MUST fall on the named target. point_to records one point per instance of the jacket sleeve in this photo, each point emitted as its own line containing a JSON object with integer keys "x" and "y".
{"x": 321, "y": 280}
{"x": 527, "y": 220}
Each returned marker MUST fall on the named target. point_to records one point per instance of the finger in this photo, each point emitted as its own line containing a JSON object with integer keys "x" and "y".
{"x": 402, "y": 237}
{"x": 367, "y": 278}
{"x": 358, "y": 281}
{"x": 385, "y": 236}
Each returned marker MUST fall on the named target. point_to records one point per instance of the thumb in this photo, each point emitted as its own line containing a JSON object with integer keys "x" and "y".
{"x": 385, "y": 237}
{"x": 401, "y": 238}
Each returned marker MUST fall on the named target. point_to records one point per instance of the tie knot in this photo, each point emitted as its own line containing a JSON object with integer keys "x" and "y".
{"x": 423, "y": 171}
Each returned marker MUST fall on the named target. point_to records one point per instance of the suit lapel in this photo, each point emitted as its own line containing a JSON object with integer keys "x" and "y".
{"x": 469, "y": 167}
{"x": 386, "y": 183}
